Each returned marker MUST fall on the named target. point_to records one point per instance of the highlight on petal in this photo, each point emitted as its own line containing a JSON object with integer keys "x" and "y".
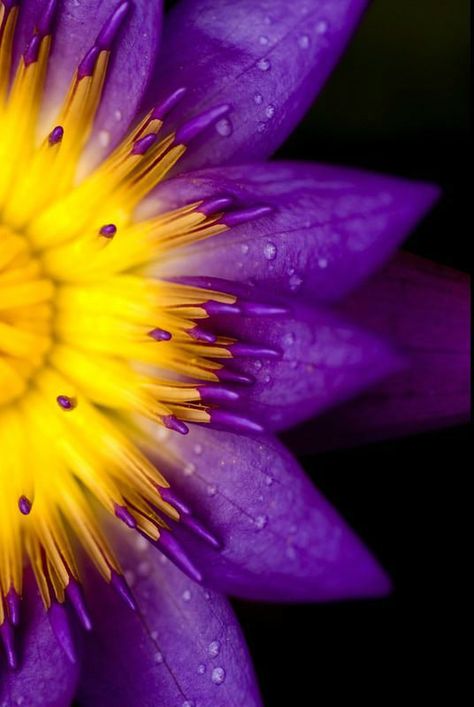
{"x": 45, "y": 676}
{"x": 426, "y": 307}
{"x": 302, "y": 359}
{"x": 77, "y": 25}
{"x": 268, "y": 60}
{"x": 182, "y": 648}
{"x": 329, "y": 228}
{"x": 280, "y": 539}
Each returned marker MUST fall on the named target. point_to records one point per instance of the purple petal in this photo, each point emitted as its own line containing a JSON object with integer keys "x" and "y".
{"x": 323, "y": 359}
{"x": 133, "y": 57}
{"x": 281, "y": 540}
{"x": 331, "y": 227}
{"x": 45, "y": 677}
{"x": 426, "y": 308}
{"x": 183, "y": 648}
{"x": 267, "y": 60}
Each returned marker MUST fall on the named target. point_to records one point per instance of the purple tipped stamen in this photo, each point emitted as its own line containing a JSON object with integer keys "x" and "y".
{"x": 104, "y": 40}
{"x": 56, "y": 135}
{"x": 122, "y": 589}
{"x": 172, "y": 423}
{"x": 259, "y": 309}
{"x": 158, "y": 334}
{"x": 253, "y": 350}
{"x": 74, "y": 594}
{"x": 25, "y": 505}
{"x": 167, "y": 105}
{"x": 8, "y": 639}
{"x": 108, "y": 231}
{"x": 198, "y": 334}
{"x": 13, "y": 604}
{"x": 228, "y": 376}
{"x": 143, "y": 144}
{"x": 66, "y": 403}
{"x": 59, "y": 621}
{"x": 170, "y": 497}
{"x": 225, "y": 420}
{"x": 217, "y": 394}
{"x": 235, "y": 218}
{"x": 194, "y": 127}
{"x": 170, "y": 547}
{"x": 214, "y": 308}
{"x": 213, "y": 206}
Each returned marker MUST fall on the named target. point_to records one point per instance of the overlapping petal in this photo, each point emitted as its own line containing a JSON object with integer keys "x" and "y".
{"x": 133, "y": 58}
{"x": 182, "y": 648}
{"x": 425, "y": 307}
{"x": 331, "y": 226}
{"x": 45, "y": 677}
{"x": 281, "y": 540}
{"x": 267, "y": 59}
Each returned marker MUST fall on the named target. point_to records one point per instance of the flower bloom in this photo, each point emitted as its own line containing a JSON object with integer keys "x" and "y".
{"x": 166, "y": 305}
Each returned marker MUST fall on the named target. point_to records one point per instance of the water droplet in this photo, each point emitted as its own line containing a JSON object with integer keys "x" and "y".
{"x": 187, "y": 703}
{"x": 289, "y": 338}
{"x": 141, "y": 544}
{"x": 261, "y": 521}
{"x": 268, "y": 480}
{"x": 263, "y": 64}
{"x": 295, "y": 282}
{"x": 198, "y": 449}
{"x": 143, "y": 569}
{"x": 270, "y": 250}
{"x": 154, "y": 635}
{"x": 189, "y": 469}
{"x": 211, "y": 490}
{"x": 207, "y": 596}
{"x": 323, "y": 263}
{"x": 104, "y": 138}
{"x": 263, "y": 40}
{"x": 267, "y": 378}
{"x": 261, "y": 127}
{"x": 186, "y": 595}
{"x": 244, "y": 248}
{"x": 214, "y": 648}
{"x": 158, "y": 658}
{"x": 201, "y": 669}
{"x": 303, "y": 41}
{"x": 224, "y": 127}
{"x": 257, "y": 364}
{"x": 258, "y": 98}
{"x": 268, "y": 20}
{"x": 270, "y": 111}
{"x": 218, "y": 676}
{"x": 322, "y": 27}
{"x": 118, "y": 115}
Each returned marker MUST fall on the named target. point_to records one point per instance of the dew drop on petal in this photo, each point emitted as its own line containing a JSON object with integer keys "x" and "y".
{"x": 258, "y": 98}
{"x": 263, "y": 40}
{"x": 187, "y": 703}
{"x": 214, "y": 648}
{"x": 224, "y": 127}
{"x": 323, "y": 263}
{"x": 270, "y": 250}
{"x": 270, "y": 111}
{"x": 263, "y": 64}
{"x": 198, "y": 449}
{"x": 261, "y": 521}
{"x": 289, "y": 338}
{"x": 186, "y": 595}
{"x": 218, "y": 676}
{"x": 303, "y": 41}
{"x": 189, "y": 469}
{"x": 143, "y": 569}
{"x": 268, "y": 480}
{"x": 118, "y": 115}
{"x": 295, "y": 281}
{"x": 322, "y": 27}
{"x": 261, "y": 127}
{"x": 158, "y": 658}
{"x": 244, "y": 248}
{"x": 211, "y": 490}
{"x": 201, "y": 669}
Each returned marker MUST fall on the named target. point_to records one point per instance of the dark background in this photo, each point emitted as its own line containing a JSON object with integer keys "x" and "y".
{"x": 397, "y": 103}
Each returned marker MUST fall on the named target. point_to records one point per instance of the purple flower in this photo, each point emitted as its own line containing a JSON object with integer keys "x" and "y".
{"x": 169, "y": 302}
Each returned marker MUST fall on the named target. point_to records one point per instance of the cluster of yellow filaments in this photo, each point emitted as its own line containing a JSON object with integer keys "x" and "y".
{"x": 89, "y": 340}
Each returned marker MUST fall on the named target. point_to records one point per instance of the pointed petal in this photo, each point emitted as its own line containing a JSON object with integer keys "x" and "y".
{"x": 330, "y": 227}
{"x": 281, "y": 540}
{"x": 267, "y": 60}
{"x": 182, "y": 648}
{"x": 133, "y": 57}
{"x": 426, "y": 307}
{"x": 45, "y": 677}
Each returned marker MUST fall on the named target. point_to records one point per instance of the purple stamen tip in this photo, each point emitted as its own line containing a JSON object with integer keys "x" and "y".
{"x": 123, "y": 590}
{"x": 227, "y": 376}
{"x": 32, "y": 50}
{"x": 217, "y": 394}
{"x": 223, "y": 419}
{"x": 213, "y": 206}
{"x": 66, "y": 403}
{"x": 59, "y": 621}
{"x": 215, "y": 308}
{"x": 143, "y": 144}
{"x": 258, "y": 309}
{"x": 253, "y": 350}
{"x": 87, "y": 65}
{"x": 192, "y": 128}
{"x": 125, "y": 516}
{"x": 235, "y": 218}
{"x": 199, "y": 334}
{"x": 112, "y": 26}
{"x": 108, "y": 231}
{"x": 163, "y": 108}
{"x": 56, "y": 135}
{"x": 159, "y": 334}
{"x": 8, "y": 638}
{"x": 47, "y": 15}
{"x": 172, "y": 423}
{"x": 74, "y": 594}
{"x": 25, "y": 505}
{"x": 170, "y": 497}
{"x": 200, "y": 530}
{"x": 170, "y": 547}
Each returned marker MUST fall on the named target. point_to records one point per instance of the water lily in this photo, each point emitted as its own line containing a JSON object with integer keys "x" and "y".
{"x": 168, "y": 303}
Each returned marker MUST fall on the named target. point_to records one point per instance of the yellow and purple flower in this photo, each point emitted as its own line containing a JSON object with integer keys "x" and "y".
{"x": 169, "y": 302}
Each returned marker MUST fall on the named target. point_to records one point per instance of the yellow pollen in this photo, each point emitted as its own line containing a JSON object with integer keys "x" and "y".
{"x": 89, "y": 340}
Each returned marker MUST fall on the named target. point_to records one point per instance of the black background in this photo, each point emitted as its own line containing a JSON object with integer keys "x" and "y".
{"x": 397, "y": 103}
